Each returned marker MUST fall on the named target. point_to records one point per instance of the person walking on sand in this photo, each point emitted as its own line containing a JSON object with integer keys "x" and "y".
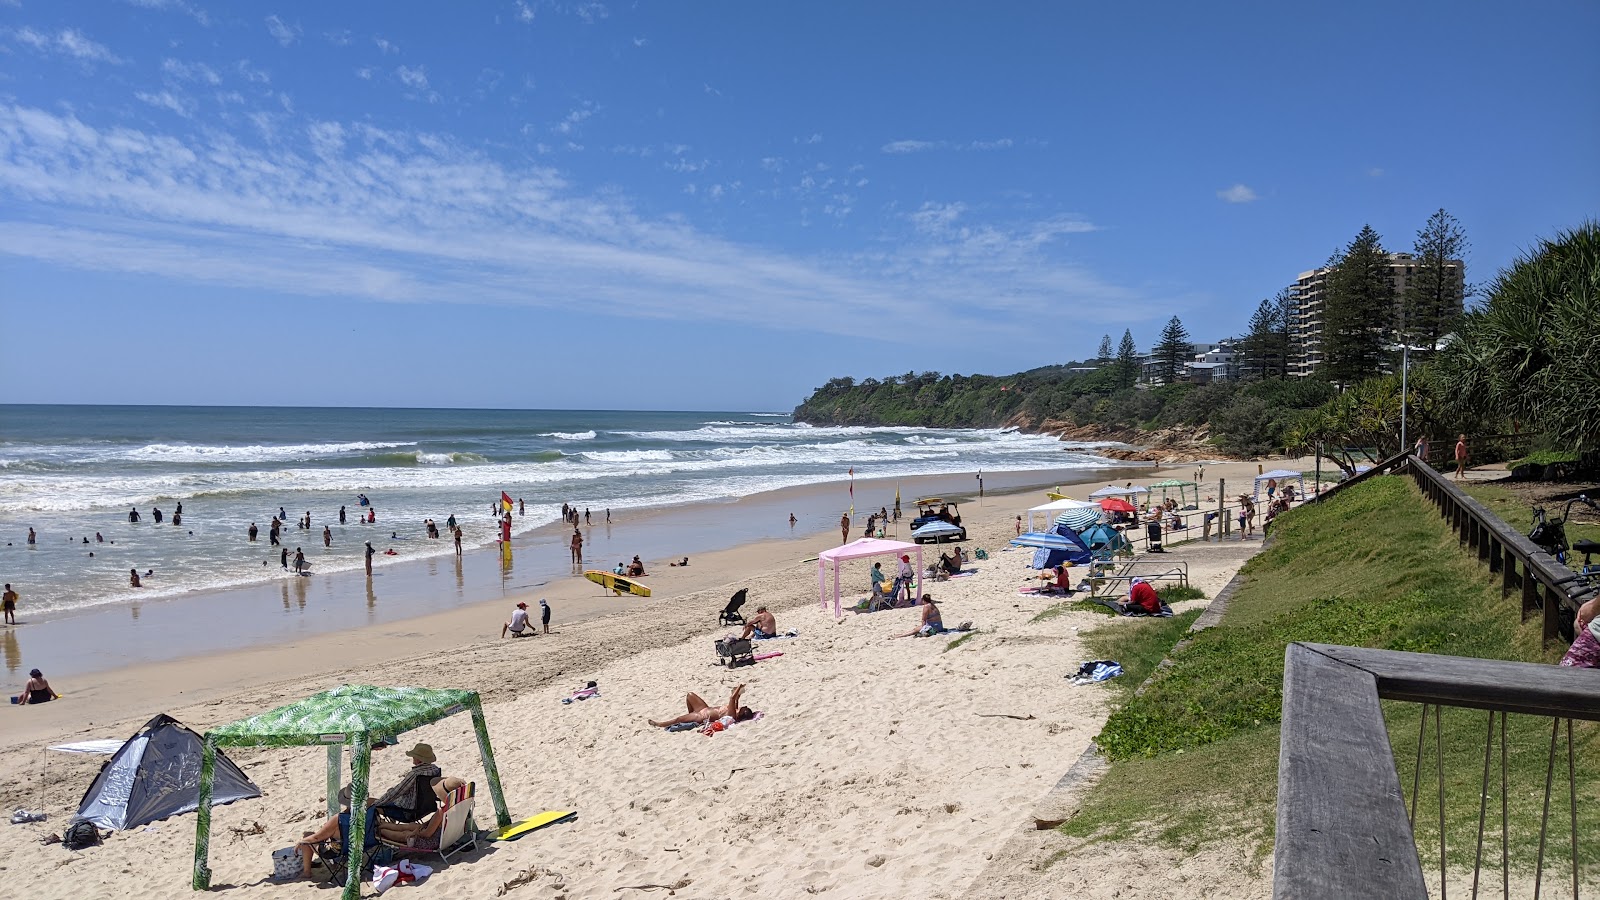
{"x": 1461, "y": 456}
{"x": 1019, "y": 526}
{"x": 844, "y": 529}
{"x": 577, "y": 547}
{"x": 8, "y": 605}
{"x": 370, "y": 551}
{"x": 327, "y": 536}
{"x": 544, "y": 615}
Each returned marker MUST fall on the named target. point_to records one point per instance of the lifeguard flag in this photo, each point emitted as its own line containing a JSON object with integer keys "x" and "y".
{"x": 505, "y": 501}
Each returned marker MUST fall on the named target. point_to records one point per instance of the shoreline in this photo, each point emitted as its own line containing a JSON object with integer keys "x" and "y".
{"x": 409, "y": 596}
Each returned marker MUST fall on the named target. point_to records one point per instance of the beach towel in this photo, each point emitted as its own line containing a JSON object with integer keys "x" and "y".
{"x": 727, "y": 722}
{"x": 760, "y": 656}
{"x": 791, "y": 633}
{"x": 1131, "y": 611}
{"x": 1096, "y": 670}
{"x": 581, "y": 694}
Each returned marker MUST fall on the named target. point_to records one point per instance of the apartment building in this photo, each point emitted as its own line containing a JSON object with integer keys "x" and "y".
{"x": 1309, "y": 289}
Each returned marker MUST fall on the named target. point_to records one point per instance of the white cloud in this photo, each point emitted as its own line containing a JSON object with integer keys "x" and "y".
{"x": 252, "y": 74}
{"x": 187, "y": 71}
{"x": 591, "y": 12}
{"x": 281, "y": 32}
{"x": 640, "y": 41}
{"x": 1239, "y": 193}
{"x": 198, "y": 14}
{"x": 1374, "y": 172}
{"x": 169, "y": 101}
{"x": 710, "y": 90}
{"x": 340, "y": 38}
{"x": 574, "y": 119}
{"x": 385, "y": 46}
{"x": 908, "y": 146}
{"x": 1001, "y": 144}
{"x": 66, "y": 42}
{"x": 524, "y": 12}
{"x": 345, "y": 209}
{"x": 413, "y": 78}
{"x": 364, "y": 73}
{"x": 815, "y": 138}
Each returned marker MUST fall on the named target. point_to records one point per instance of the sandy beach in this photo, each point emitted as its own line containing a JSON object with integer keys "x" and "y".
{"x": 880, "y": 768}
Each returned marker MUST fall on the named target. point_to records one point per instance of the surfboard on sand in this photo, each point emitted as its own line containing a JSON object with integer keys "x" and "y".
{"x": 527, "y": 826}
{"x": 617, "y": 583}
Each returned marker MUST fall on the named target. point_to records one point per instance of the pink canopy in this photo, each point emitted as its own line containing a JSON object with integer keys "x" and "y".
{"x": 857, "y": 550}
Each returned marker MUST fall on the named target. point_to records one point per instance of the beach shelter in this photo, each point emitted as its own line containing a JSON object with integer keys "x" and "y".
{"x": 349, "y": 715}
{"x": 1188, "y": 491}
{"x": 1112, "y": 490}
{"x": 1117, "y": 504}
{"x": 936, "y": 531}
{"x": 1060, "y": 507}
{"x": 1054, "y": 546}
{"x": 1281, "y": 475}
{"x": 1104, "y": 537}
{"x": 156, "y": 774}
{"x": 1078, "y": 519}
{"x": 830, "y": 559}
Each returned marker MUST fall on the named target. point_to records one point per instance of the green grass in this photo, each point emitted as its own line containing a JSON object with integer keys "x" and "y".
{"x": 1544, "y": 458}
{"x": 1056, "y": 609}
{"x": 1174, "y": 593}
{"x": 1517, "y": 511}
{"x": 959, "y": 641}
{"x": 1195, "y": 754}
{"x": 1138, "y": 644}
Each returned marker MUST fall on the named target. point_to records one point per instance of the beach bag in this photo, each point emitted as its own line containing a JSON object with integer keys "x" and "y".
{"x": 285, "y": 864}
{"x": 79, "y": 835}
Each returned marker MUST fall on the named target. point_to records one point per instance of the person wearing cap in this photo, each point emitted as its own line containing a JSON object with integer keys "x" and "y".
{"x": 518, "y": 626}
{"x": 37, "y": 690}
{"x": 761, "y": 626}
{"x": 1142, "y": 598}
{"x": 905, "y": 581}
{"x": 413, "y": 798}
{"x": 544, "y": 615}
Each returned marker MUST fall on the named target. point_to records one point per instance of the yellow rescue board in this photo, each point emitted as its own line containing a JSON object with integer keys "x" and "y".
{"x": 617, "y": 583}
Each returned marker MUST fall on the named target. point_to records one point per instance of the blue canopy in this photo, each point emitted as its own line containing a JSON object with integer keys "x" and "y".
{"x": 1055, "y": 547}
{"x": 1104, "y": 537}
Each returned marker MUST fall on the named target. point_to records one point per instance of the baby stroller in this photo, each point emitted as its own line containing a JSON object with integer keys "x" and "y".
{"x": 730, "y": 614}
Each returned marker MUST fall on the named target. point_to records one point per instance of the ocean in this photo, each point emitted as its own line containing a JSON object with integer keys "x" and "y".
{"x": 73, "y": 472}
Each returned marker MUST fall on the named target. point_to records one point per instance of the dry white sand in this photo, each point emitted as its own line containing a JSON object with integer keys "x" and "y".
{"x": 881, "y": 768}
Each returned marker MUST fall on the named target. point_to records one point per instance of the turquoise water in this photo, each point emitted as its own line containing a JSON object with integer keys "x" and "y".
{"x": 72, "y": 472}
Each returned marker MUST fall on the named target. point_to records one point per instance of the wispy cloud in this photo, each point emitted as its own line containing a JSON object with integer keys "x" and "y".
{"x": 190, "y": 71}
{"x": 66, "y": 42}
{"x": 385, "y": 46}
{"x": 525, "y": 13}
{"x": 339, "y": 38}
{"x": 575, "y": 118}
{"x": 590, "y": 12}
{"x": 1239, "y": 193}
{"x": 250, "y": 73}
{"x": 350, "y": 210}
{"x": 198, "y": 14}
{"x": 1374, "y": 172}
{"x": 281, "y": 32}
{"x": 916, "y": 146}
{"x": 640, "y": 41}
{"x": 169, "y": 101}
{"x": 414, "y": 78}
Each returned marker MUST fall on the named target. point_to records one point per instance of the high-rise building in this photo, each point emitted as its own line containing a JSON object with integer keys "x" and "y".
{"x": 1309, "y": 290}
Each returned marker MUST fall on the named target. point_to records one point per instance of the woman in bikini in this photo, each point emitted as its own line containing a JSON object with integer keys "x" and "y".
{"x": 701, "y": 712}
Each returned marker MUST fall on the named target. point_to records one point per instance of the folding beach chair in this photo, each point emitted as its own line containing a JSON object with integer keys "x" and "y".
{"x": 730, "y": 614}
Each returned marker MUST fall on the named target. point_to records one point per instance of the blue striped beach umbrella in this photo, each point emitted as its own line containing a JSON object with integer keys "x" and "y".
{"x": 1046, "y": 540}
{"x": 1079, "y": 519}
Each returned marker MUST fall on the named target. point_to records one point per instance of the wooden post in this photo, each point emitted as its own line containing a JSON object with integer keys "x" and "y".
{"x": 1496, "y": 551}
{"x": 1530, "y": 591}
{"x": 1225, "y": 527}
{"x": 1508, "y": 571}
{"x": 1552, "y": 605}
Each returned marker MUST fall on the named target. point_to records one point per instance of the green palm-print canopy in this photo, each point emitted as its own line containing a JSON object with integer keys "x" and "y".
{"x": 334, "y": 717}
{"x": 351, "y": 715}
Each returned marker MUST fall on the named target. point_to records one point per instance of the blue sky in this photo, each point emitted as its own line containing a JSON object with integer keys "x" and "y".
{"x": 721, "y": 204}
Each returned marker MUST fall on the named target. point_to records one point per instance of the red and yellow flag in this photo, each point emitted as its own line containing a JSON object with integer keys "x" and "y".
{"x": 505, "y": 501}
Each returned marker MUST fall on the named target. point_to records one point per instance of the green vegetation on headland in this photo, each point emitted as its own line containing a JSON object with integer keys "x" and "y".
{"x": 1523, "y": 362}
{"x": 1195, "y": 753}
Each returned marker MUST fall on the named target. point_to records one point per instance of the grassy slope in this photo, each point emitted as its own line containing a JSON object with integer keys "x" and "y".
{"x": 1196, "y": 753}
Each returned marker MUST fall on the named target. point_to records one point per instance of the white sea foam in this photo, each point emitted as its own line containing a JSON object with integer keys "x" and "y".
{"x": 193, "y": 453}
{"x": 570, "y": 435}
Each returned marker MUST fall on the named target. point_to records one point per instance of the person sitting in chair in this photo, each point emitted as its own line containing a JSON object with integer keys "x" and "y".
{"x": 761, "y": 626}
{"x": 335, "y": 829}
{"x": 423, "y": 835}
{"x": 413, "y": 799}
{"x": 701, "y": 712}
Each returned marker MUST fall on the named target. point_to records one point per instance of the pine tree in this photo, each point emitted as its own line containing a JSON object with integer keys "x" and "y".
{"x": 1436, "y": 291}
{"x": 1105, "y": 349}
{"x": 1358, "y": 310}
{"x": 1266, "y": 347}
{"x": 1172, "y": 352}
{"x": 1127, "y": 360}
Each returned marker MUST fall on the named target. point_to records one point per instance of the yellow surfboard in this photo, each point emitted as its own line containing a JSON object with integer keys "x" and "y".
{"x": 617, "y": 583}
{"x": 526, "y": 826}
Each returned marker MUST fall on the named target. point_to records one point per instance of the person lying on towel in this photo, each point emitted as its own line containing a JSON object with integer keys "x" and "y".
{"x": 701, "y": 712}
{"x": 761, "y": 626}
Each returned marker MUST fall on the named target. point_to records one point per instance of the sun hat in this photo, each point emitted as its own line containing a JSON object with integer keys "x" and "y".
{"x": 422, "y": 753}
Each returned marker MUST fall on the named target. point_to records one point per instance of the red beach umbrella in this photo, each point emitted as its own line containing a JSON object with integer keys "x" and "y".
{"x": 1113, "y": 504}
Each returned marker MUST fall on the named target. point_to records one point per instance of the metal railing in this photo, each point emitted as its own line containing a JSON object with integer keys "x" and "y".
{"x": 1343, "y": 829}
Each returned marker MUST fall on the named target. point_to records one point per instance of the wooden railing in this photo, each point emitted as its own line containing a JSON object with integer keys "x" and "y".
{"x": 1342, "y": 826}
{"x": 1546, "y": 585}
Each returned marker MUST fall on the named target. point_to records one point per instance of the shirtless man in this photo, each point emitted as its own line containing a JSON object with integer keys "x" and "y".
{"x": 701, "y": 712}
{"x": 761, "y": 625}
{"x": 577, "y": 548}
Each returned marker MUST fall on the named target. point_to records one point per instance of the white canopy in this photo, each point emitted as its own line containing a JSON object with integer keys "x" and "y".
{"x": 1281, "y": 475}
{"x": 1057, "y": 506}
{"x": 857, "y": 550}
{"x": 1112, "y": 490}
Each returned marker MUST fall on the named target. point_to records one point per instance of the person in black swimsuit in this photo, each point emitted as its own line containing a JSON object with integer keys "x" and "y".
{"x": 37, "y": 690}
